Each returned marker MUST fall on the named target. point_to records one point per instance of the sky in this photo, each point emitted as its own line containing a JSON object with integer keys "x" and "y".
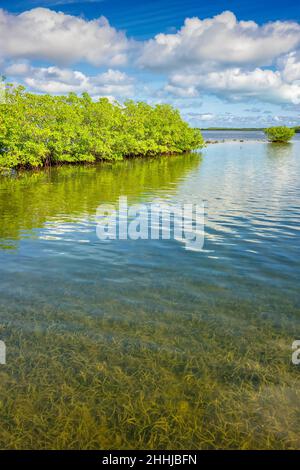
{"x": 222, "y": 63}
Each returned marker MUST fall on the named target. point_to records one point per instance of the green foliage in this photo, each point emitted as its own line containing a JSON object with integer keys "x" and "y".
{"x": 40, "y": 130}
{"x": 279, "y": 133}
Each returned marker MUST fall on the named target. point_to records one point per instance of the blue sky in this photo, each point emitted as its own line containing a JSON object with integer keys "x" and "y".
{"x": 234, "y": 63}
{"x": 144, "y": 19}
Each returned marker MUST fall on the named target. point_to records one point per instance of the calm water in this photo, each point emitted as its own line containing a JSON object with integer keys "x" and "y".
{"x": 144, "y": 344}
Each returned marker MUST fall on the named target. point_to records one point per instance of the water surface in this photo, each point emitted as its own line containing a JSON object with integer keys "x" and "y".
{"x": 144, "y": 344}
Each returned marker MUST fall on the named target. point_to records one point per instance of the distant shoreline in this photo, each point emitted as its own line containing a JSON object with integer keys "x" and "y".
{"x": 242, "y": 129}
{"x": 236, "y": 129}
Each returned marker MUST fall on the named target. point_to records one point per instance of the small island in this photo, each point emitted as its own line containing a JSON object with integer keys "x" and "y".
{"x": 279, "y": 134}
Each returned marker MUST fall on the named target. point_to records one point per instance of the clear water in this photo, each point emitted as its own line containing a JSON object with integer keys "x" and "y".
{"x": 144, "y": 344}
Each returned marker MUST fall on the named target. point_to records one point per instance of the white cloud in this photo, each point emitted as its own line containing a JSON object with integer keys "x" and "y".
{"x": 290, "y": 65}
{"x": 237, "y": 84}
{"x": 220, "y": 41}
{"x": 59, "y": 38}
{"x": 234, "y": 60}
{"x": 220, "y": 56}
{"x": 202, "y": 116}
{"x": 18, "y": 68}
{"x": 237, "y": 120}
{"x": 186, "y": 92}
{"x": 55, "y": 80}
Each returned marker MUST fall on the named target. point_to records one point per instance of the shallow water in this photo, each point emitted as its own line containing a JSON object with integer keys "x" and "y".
{"x": 145, "y": 344}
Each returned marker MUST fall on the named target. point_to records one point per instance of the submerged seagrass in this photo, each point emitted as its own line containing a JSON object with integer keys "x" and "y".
{"x": 142, "y": 344}
{"x": 38, "y": 130}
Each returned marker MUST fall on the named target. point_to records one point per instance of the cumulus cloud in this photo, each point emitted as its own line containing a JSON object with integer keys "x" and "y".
{"x": 235, "y": 60}
{"x": 59, "y": 38}
{"x": 290, "y": 65}
{"x": 238, "y": 84}
{"x": 55, "y": 80}
{"x": 221, "y": 40}
{"x": 222, "y": 56}
{"x": 181, "y": 92}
